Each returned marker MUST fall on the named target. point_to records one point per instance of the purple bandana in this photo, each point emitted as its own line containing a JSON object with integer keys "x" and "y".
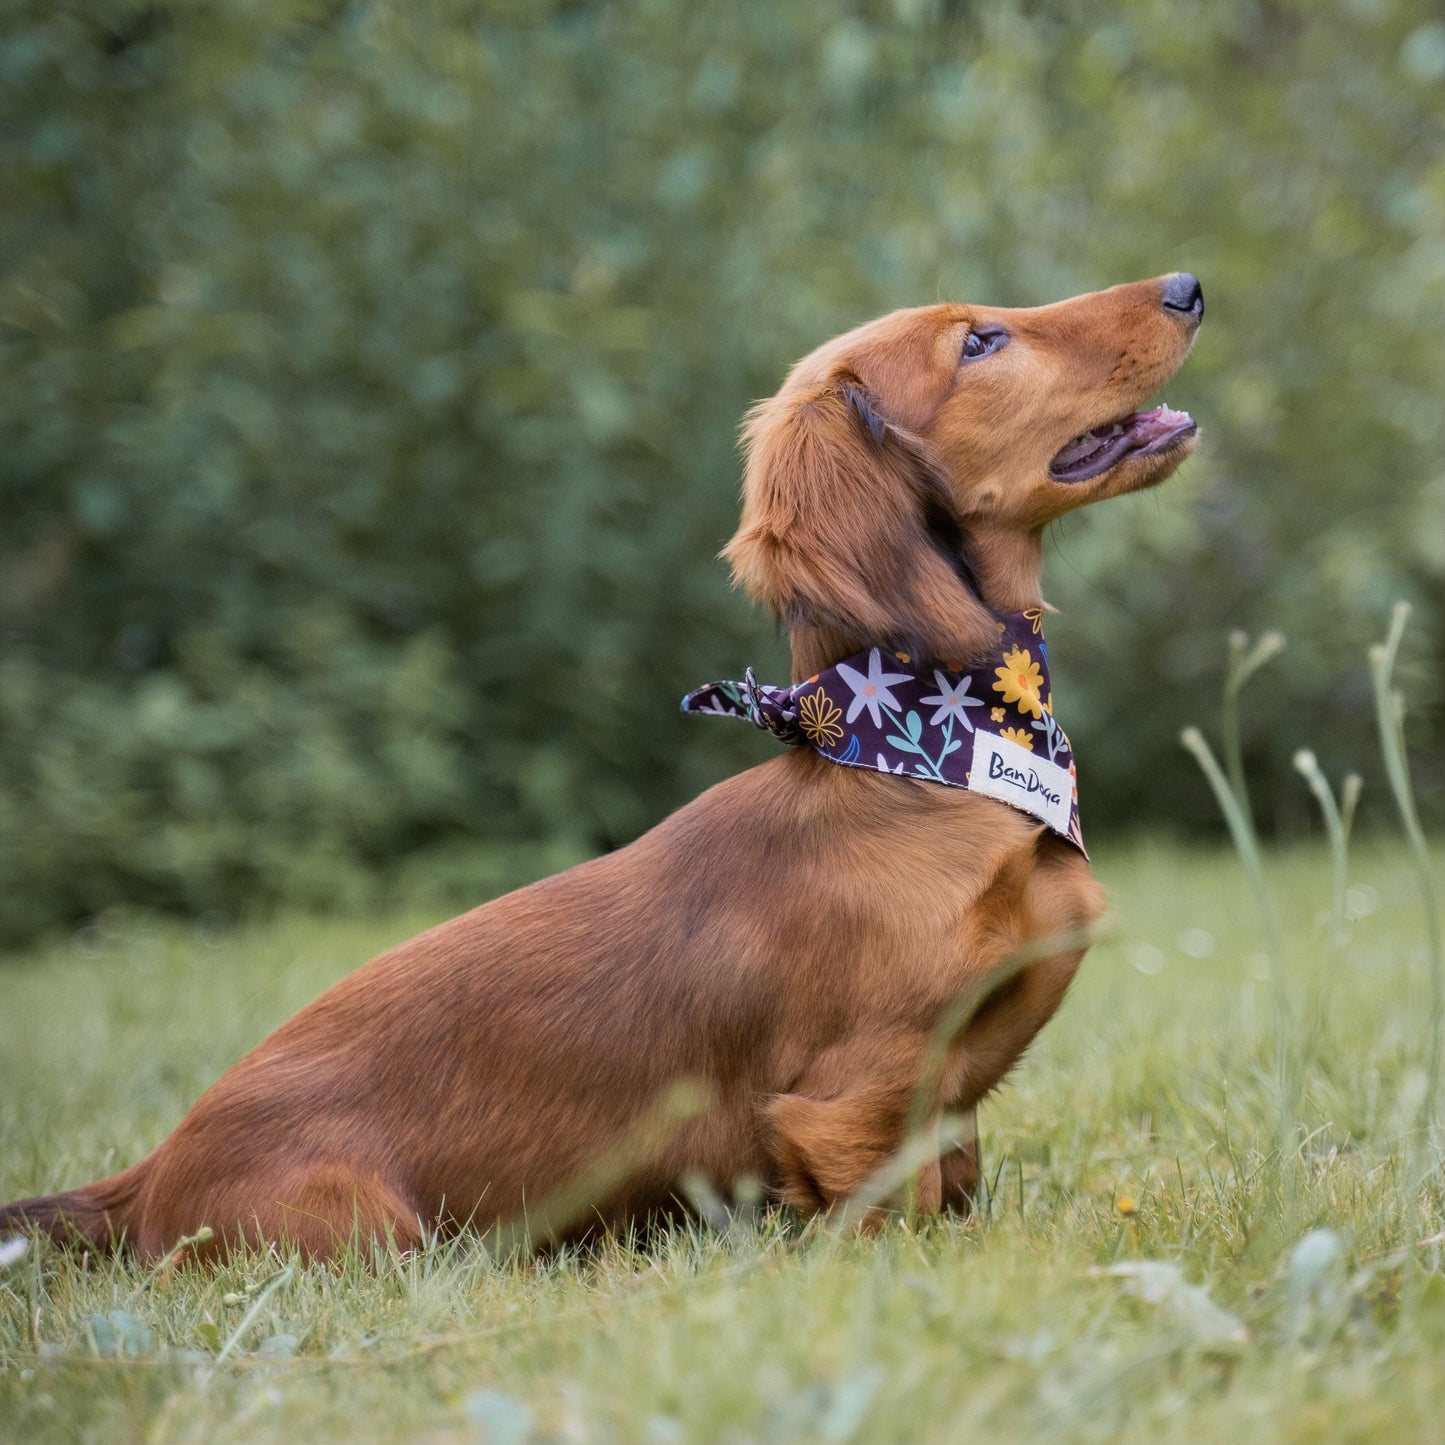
{"x": 988, "y": 727}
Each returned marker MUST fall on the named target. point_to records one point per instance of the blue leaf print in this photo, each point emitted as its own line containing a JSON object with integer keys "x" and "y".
{"x": 914, "y": 724}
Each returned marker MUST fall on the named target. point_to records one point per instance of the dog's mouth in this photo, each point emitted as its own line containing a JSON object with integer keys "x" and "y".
{"x": 1140, "y": 434}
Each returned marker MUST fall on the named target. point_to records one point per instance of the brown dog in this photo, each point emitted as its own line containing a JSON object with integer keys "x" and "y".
{"x": 788, "y": 942}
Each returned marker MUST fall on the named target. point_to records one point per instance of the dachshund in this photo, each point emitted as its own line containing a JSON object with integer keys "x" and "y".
{"x": 783, "y": 949}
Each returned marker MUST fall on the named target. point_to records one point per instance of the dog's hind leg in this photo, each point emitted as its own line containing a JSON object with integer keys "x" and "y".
{"x": 331, "y": 1207}
{"x": 322, "y": 1207}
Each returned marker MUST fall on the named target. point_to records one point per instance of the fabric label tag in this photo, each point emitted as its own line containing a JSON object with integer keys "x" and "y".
{"x": 1002, "y": 769}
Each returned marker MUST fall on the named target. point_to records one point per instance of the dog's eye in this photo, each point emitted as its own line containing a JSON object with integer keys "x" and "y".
{"x": 981, "y": 343}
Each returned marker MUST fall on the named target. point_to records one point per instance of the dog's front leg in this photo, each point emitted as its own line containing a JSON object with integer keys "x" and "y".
{"x": 959, "y": 1167}
{"x": 844, "y": 1121}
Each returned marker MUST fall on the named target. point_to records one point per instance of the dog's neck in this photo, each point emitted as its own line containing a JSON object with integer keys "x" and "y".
{"x": 986, "y": 726}
{"x": 1008, "y": 563}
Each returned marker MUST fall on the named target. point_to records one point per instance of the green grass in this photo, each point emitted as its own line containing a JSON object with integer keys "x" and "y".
{"x": 1155, "y": 1085}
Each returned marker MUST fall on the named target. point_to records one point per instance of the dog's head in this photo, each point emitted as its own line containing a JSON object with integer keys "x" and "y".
{"x": 899, "y": 457}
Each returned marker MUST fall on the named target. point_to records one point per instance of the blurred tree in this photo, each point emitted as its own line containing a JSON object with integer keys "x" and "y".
{"x": 371, "y": 376}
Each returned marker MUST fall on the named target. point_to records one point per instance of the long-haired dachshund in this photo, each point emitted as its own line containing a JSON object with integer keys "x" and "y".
{"x": 789, "y": 943}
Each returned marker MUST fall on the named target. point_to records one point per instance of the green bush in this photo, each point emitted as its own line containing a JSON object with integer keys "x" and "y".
{"x": 371, "y": 375}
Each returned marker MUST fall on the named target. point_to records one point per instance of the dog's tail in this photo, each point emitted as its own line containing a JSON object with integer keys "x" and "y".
{"x": 97, "y": 1215}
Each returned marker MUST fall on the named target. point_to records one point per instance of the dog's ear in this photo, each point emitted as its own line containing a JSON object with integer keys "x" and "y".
{"x": 848, "y": 524}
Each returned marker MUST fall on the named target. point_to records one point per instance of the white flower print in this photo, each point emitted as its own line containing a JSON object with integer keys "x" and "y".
{"x": 870, "y": 691}
{"x": 951, "y": 700}
{"x": 883, "y": 764}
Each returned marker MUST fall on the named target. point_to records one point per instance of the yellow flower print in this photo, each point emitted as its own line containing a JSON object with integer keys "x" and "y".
{"x": 1020, "y": 736}
{"x": 997, "y": 714}
{"x": 1019, "y": 680}
{"x": 1035, "y": 615}
{"x": 821, "y": 720}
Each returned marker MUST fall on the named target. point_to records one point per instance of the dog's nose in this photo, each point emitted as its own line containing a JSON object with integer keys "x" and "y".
{"x": 1183, "y": 293}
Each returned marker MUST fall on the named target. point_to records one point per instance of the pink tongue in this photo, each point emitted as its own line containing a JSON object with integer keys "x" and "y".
{"x": 1151, "y": 424}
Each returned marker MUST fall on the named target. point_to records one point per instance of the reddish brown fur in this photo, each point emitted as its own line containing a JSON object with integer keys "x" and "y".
{"x": 790, "y": 940}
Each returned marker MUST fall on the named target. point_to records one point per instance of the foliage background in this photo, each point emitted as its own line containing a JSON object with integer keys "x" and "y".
{"x": 371, "y": 374}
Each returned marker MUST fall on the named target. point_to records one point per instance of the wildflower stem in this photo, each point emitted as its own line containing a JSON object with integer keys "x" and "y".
{"x": 1337, "y": 829}
{"x": 1240, "y": 829}
{"x": 1244, "y": 662}
{"x": 277, "y": 1280}
{"x": 1390, "y": 716}
{"x": 1247, "y": 845}
{"x": 203, "y": 1235}
{"x": 1338, "y": 819}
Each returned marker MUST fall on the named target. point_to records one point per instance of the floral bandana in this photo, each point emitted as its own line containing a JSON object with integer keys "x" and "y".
{"x": 988, "y": 727}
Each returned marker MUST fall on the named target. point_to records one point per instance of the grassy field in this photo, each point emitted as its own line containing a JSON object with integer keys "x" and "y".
{"x": 1292, "y": 1289}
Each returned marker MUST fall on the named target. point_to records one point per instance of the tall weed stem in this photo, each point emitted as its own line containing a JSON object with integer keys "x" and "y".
{"x": 1232, "y": 795}
{"x": 1244, "y": 662}
{"x": 1390, "y": 716}
{"x": 1338, "y": 819}
{"x": 1241, "y": 830}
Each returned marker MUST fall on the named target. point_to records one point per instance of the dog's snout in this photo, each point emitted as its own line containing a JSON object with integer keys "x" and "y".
{"x": 1184, "y": 295}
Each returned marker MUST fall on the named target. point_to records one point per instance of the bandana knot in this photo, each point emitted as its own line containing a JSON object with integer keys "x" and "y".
{"x": 986, "y": 726}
